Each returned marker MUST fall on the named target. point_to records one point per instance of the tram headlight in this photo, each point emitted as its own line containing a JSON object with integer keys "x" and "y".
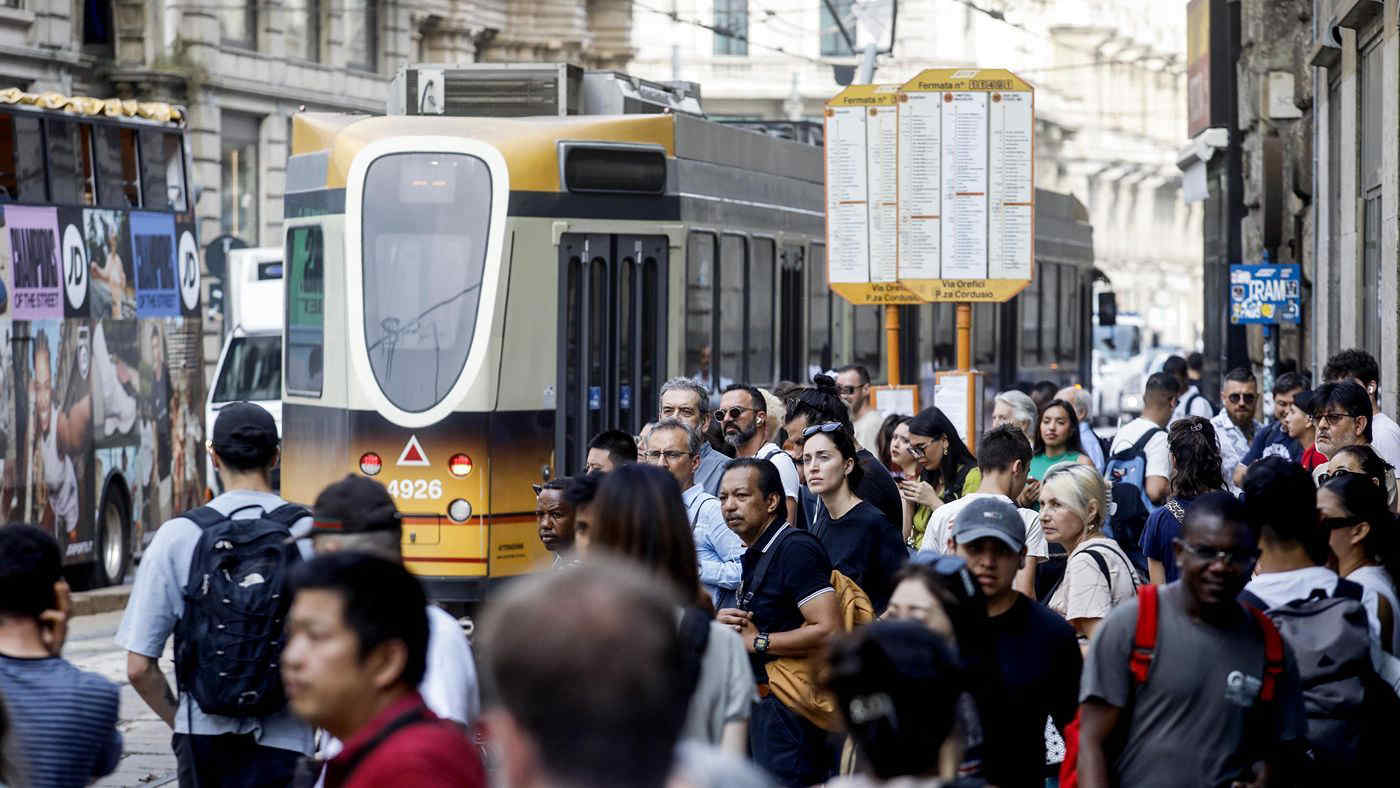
{"x": 370, "y": 463}
{"x": 459, "y": 510}
{"x": 459, "y": 465}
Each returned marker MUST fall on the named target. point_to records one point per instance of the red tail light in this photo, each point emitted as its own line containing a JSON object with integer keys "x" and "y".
{"x": 370, "y": 463}
{"x": 459, "y": 465}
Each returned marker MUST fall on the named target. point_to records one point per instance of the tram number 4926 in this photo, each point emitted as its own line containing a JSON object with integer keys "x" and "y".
{"x": 418, "y": 489}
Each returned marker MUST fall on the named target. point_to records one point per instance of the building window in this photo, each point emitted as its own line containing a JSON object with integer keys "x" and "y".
{"x": 238, "y": 23}
{"x": 1334, "y": 217}
{"x": 238, "y": 162}
{"x": 302, "y": 28}
{"x": 1368, "y": 180}
{"x": 732, "y": 17}
{"x": 833, "y": 43}
{"x": 362, "y": 34}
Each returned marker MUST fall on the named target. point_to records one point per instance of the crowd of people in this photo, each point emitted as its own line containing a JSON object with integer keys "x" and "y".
{"x": 790, "y": 589}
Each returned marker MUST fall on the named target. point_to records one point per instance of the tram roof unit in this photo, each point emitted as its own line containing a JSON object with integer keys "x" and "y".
{"x": 154, "y": 112}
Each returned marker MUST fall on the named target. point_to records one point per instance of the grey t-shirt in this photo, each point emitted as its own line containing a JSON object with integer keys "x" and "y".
{"x": 725, "y": 690}
{"x": 157, "y": 602}
{"x": 1199, "y": 709}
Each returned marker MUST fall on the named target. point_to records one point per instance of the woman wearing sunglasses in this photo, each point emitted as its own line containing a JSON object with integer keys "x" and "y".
{"x": 947, "y": 470}
{"x": 1362, "y": 534}
{"x": 861, "y": 543}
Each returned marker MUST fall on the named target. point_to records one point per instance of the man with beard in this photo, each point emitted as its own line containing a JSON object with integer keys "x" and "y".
{"x": 1234, "y": 424}
{"x": 744, "y": 415}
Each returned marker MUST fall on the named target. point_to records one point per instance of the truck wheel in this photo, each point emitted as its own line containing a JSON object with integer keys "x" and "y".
{"x": 112, "y": 535}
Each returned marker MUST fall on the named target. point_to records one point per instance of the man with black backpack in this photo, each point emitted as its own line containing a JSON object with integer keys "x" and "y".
{"x": 1329, "y": 623}
{"x": 1185, "y": 685}
{"x": 215, "y": 578}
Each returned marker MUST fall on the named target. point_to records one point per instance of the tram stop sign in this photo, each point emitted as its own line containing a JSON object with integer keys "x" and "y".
{"x": 930, "y": 188}
{"x": 861, "y": 195}
{"x": 966, "y": 173}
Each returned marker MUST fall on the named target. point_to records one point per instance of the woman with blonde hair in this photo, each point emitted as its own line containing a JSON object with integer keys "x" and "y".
{"x": 1098, "y": 574}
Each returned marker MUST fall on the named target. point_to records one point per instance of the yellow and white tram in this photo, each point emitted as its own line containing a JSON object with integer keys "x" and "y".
{"x": 469, "y": 299}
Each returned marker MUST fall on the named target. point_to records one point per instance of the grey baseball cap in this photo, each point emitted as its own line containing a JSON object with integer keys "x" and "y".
{"x": 996, "y": 517}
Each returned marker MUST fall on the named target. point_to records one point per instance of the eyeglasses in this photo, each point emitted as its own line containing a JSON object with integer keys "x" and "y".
{"x": 734, "y": 413}
{"x": 917, "y": 449}
{"x": 671, "y": 456}
{"x": 849, "y": 390}
{"x": 830, "y": 426}
{"x": 1246, "y": 398}
{"x": 1324, "y": 478}
{"x": 1210, "y": 555}
{"x": 685, "y": 413}
{"x": 1333, "y": 419}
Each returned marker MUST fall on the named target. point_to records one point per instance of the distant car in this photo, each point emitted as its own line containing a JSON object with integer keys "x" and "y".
{"x": 250, "y": 363}
{"x": 1115, "y": 348}
{"x": 1135, "y": 377}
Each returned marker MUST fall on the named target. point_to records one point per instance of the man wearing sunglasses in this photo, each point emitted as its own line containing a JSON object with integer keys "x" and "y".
{"x": 743, "y": 414}
{"x": 1206, "y": 696}
{"x": 1234, "y": 424}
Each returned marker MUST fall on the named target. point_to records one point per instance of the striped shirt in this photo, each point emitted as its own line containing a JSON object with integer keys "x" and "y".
{"x": 65, "y": 721}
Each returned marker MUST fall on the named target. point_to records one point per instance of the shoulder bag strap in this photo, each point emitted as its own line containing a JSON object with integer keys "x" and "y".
{"x": 1346, "y": 589}
{"x": 746, "y": 591}
{"x": 1141, "y": 444}
{"x": 1145, "y": 635}
{"x": 288, "y": 514}
{"x": 1251, "y": 600}
{"x": 206, "y": 516}
{"x": 412, "y": 717}
{"x": 1273, "y": 651}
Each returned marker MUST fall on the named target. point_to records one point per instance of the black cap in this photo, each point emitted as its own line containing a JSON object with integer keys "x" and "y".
{"x": 355, "y": 505}
{"x": 244, "y": 433}
{"x": 997, "y": 518}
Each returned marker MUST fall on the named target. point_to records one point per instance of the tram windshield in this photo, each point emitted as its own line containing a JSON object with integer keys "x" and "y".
{"x": 424, "y": 246}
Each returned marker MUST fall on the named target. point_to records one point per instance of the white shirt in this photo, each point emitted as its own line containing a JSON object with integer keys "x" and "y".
{"x": 787, "y": 469}
{"x": 1198, "y": 405}
{"x": 1385, "y": 439}
{"x": 1376, "y": 579}
{"x": 1159, "y": 461}
{"x": 940, "y": 526}
{"x": 867, "y": 429}
{"x": 1233, "y": 446}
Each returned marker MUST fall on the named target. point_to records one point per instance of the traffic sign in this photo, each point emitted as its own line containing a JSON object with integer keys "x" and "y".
{"x": 966, "y": 185}
{"x": 1266, "y": 294}
{"x": 861, "y": 195}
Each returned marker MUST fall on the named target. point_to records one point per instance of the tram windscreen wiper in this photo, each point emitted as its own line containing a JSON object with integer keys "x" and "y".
{"x": 394, "y": 328}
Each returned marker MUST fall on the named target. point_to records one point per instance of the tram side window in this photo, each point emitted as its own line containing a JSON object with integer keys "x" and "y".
{"x": 945, "y": 335}
{"x": 1030, "y": 319}
{"x": 819, "y": 313}
{"x": 699, "y": 304}
{"x": 21, "y": 159}
{"x": 984, "y": 333}
{"x": 1052, "y": 318}
{"x": 865, "y": 349}
{"x": 305, "y": 311}
{"x": 733, "y": 281}
{"x": 118, "y": 183}
{"x": 762, "y": 293}
{"x": 70, "y": 163}
{"x": 1069, "y": 307}
{"x": 162, "y": 171}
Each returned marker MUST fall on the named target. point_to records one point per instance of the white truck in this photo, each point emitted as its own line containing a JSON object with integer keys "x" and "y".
{"x": 250, "y": 363}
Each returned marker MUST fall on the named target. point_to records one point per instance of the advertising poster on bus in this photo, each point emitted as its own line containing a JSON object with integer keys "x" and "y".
{"x": 112, "y": 291}
{"x": 73, "y": 262}
{"x": 47, "y": 476}
{"x": 34, "y": 265}
{"x": 187, "y": 254}
{"x": 153, "y": 255}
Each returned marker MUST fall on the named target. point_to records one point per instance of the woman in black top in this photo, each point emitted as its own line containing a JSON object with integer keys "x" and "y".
{"x": 861, "y": 543}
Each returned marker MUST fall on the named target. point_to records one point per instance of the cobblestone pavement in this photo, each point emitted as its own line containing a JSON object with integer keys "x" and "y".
{"x": 146, "y": 757}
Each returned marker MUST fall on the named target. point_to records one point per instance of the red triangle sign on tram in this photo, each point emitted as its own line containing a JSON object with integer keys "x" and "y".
{"x": 413, "y": 453}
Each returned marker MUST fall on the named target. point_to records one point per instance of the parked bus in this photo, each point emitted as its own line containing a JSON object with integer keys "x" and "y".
{"x": 101, "y": 357}
{"x": 469, "y": 299}
{"x": 250, "y": 362}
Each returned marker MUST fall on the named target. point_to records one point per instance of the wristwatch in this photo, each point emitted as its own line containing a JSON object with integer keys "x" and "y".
{"x": 760, "y": 643}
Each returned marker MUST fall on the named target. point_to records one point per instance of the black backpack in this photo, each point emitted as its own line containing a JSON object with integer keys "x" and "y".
{"x": 1191, "y": 400}
{"x": 229, "y": 638}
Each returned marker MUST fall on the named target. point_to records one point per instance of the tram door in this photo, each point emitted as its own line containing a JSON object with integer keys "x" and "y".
{"x": 792, "y": 322}
{"x": 612, "y": 338}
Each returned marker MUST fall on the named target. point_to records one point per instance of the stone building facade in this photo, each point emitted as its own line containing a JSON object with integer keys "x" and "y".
{"x": 243, "y": 67}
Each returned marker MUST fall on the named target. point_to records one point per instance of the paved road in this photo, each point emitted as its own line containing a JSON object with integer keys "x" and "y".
{"x": 146, "y": 759}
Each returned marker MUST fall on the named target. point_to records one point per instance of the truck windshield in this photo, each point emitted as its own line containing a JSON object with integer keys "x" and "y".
{"x": 252, "y": 370}
{"x": 424, "y": 247}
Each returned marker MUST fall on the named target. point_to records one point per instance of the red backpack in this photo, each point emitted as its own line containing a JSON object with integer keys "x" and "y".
{"x": 1145, "y": 645}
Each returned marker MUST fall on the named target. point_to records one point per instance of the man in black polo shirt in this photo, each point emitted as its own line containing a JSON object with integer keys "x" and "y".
{"x": 787, "y": 608}
{"x": 1037, "y": 652}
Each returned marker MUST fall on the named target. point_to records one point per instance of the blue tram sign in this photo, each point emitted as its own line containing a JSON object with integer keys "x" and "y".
{"x": 1268, "y": 294}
